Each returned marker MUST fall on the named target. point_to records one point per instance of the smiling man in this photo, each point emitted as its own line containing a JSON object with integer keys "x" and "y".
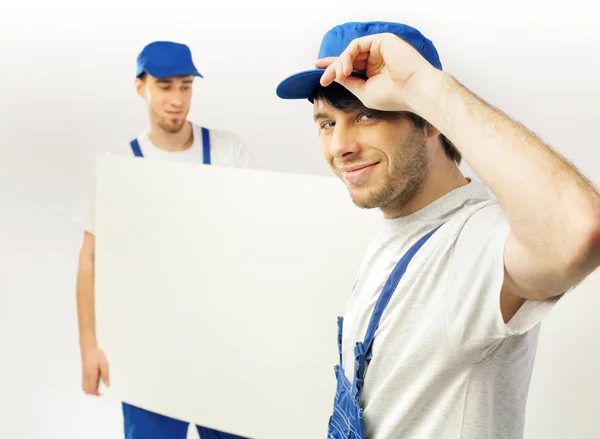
{"x": 164, "y": 78}
{"x": 440, "y": 332}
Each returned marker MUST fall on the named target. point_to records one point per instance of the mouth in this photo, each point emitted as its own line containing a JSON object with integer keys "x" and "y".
{"x": 174, "y": 113}
{"x": 353, "y": 173}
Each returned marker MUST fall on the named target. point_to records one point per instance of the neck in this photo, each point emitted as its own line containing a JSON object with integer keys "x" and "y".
{"x": 171, "y": 142}
{"x": 440, "y": 181}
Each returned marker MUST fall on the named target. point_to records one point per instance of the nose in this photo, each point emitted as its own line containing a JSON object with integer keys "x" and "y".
{"x": 343, "y": 143}
{"x": 177, "y": 98}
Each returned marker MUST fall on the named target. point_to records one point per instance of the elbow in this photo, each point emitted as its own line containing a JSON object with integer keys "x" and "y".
{"x": 585, "y": 254}
{"x": 593, "y": 242}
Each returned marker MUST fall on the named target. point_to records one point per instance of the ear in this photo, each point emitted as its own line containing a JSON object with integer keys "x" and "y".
{"x": 140, "y": 87}
{"x": 431, "y": 131}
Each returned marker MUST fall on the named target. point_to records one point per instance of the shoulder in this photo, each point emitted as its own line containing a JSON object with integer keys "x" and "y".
{"x": 486, "y": 221}
{"x": 220, "y": 137}
{"x": 227, "y": 147}
{"x": 125, "y": 146}
{"x": 479, "y": 234}
{"x": 476, "y": 214}
{"x": 473, "y": 238}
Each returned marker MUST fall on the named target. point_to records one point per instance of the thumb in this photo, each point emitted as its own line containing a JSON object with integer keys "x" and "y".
{"x": 104, "y": 373}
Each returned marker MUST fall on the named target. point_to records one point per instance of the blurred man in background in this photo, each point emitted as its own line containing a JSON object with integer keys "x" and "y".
{"x": 164, "y": 78}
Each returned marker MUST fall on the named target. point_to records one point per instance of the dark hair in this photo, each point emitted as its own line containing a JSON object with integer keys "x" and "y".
{"x": 340, "y": 98}
{"x": 142, "y": 76}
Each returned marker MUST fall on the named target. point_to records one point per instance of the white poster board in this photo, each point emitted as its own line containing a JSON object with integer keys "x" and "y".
{"x": 217, "y": 291}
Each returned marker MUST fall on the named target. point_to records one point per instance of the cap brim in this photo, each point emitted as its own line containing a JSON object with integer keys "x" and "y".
{"x": 166, "y": 72}
{"x": 299, "y": 85}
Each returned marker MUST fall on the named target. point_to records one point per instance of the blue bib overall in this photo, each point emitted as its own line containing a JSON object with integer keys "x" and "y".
{"x": 137, "y": 151}
{"x": 143, "y": 424}
{"x": 346, "y": 420}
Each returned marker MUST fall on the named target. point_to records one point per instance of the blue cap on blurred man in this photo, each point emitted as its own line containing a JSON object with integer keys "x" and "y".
{"x": 162, "y": 59}
{"x": 337, "y": 39}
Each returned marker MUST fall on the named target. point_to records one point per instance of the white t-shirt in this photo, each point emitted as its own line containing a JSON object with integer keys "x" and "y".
{"x": 444, "y": 363}
{"x": 226, "y": 149}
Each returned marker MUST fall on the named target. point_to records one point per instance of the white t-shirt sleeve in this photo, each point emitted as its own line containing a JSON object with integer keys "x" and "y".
{"x": 84, "y": 212}
{"x": 473, "y": 315}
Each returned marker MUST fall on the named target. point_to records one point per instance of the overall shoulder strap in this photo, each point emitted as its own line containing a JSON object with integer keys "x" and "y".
{"x": 135, "y": 146}
{"x": 206, "y": 146}
{"x": 362, "y": 350}
{"x": 388, "y": 291}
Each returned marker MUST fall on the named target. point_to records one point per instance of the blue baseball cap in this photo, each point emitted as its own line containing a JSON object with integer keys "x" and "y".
{"x": 162, "y": 59}
{"x": 337, "y": 39}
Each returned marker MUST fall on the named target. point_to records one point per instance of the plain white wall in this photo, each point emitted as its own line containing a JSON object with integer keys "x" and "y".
{"x": 66, "y": 71}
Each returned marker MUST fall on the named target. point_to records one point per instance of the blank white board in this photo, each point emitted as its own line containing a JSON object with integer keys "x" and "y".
{"x": 217, "y": 291}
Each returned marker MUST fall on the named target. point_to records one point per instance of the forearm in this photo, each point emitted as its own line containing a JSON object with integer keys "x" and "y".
{"x": 545, "y": 199}
{"x": 85, "y": 309}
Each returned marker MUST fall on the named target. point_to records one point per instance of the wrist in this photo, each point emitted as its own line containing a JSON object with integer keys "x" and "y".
{"x": 87, "y": 341}
{"x": 425, "y": 94}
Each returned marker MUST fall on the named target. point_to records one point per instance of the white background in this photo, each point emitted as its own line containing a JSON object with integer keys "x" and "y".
{"x": 66, "y": 93}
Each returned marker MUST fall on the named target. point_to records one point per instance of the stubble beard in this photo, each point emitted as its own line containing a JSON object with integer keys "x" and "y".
{"x": 402, "y": 183}
{"x": 168, "y": 125}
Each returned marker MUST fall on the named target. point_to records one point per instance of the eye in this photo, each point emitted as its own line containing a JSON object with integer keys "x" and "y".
{"x": 365, "y": 116}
